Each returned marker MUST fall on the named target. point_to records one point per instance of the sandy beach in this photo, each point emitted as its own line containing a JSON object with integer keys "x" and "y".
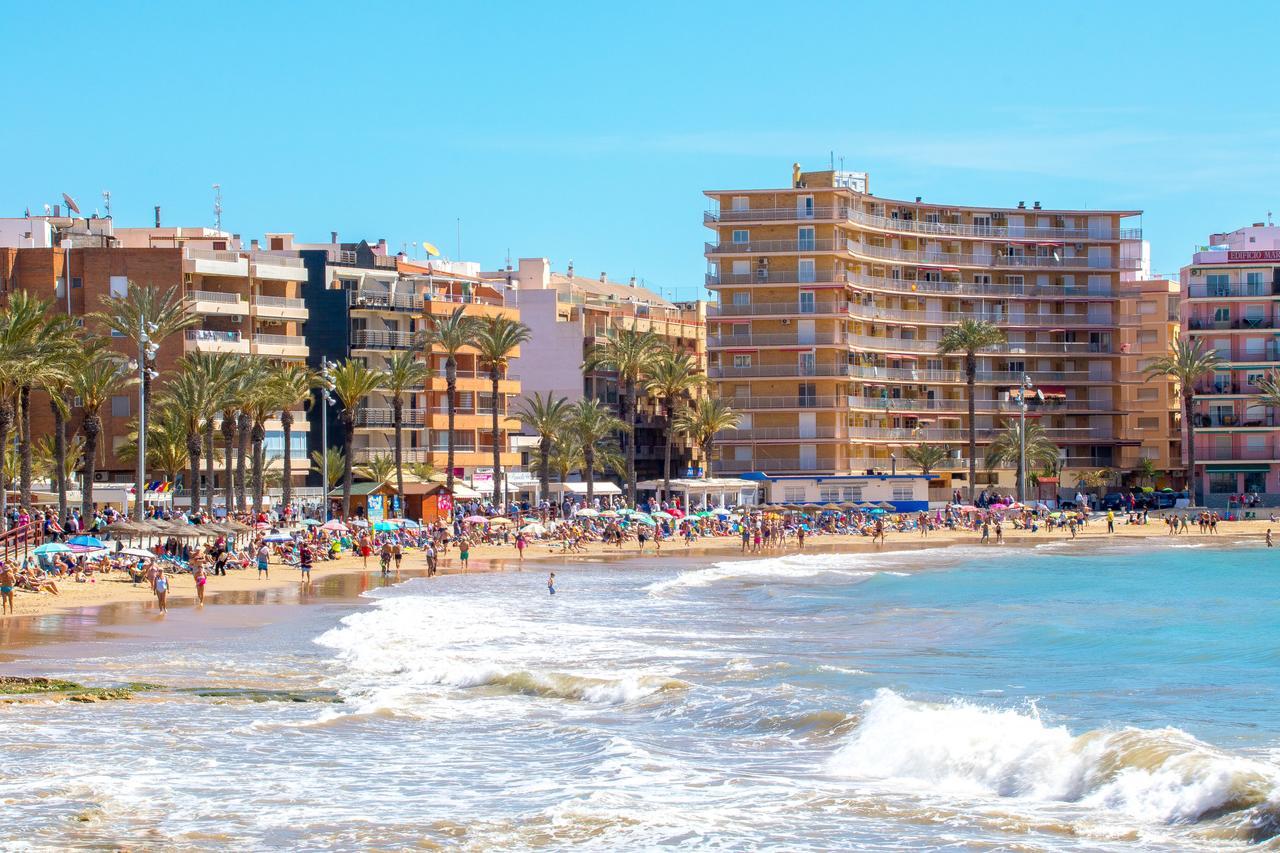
{"x": 116, "y": 589}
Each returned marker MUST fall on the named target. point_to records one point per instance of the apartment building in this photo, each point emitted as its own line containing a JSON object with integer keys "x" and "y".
{"x": 1152, "y": 409}
{"x": 368, "y": 304}
{"x": 831, "y": 302}
{"x": 247, "y": 301}
{"x": 1231, "y": 302}
{"x": 569, "y": 314}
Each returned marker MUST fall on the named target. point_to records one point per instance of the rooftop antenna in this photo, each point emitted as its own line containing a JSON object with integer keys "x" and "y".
{"x": 217, "y": 207}
{"x": 1268, "y": 219}
{"x": 833, "y": 159}
{"x": 459, "y": 245}
{"x": 106, "y": 200}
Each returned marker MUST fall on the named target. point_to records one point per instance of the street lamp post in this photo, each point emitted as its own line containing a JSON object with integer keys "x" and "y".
{"x": 326, "y": 385}
{"x": 1023, "y": 388}
{"x": 146, "y": 350}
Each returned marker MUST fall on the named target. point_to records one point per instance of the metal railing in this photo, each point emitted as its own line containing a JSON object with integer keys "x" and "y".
{"x": 996, "y": 259}
{"x": 215, "y": 296}
{"x": 1211, "y": 452}
{"x": 212, "y": 336}
{"x": 813, "y": 309}
{"x": 817, "y": 401}
{"x": 759, "y": 247}
{"x": 914, "y": 375}
{"x": 816, "y": 338}
{"x": 892, "y": 344}
{"x": 1205, "y": 324}
{"x": 765, "y": 275}
{"x": 280, "y": 302}
{"x": 384, "y": 301}
{"x": 385, "y": 417}
{"x": 727, "y": 372}
{"x": 280, "y": 340}
{"x": 898, "y": 405}
{"x": 999, "y": 318}
{"x": 973, "y": 289}
{"x": 371, "y": 339}
{"x": 1233, "y": 289}
{"x": 815, "y": 433}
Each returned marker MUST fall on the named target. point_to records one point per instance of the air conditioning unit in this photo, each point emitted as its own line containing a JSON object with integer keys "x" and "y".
{"x": 786, "y": 321}
{"x": 100, "y": 476}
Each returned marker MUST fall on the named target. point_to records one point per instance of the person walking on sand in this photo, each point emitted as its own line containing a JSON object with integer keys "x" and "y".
{"x": 1111, "y": 521}
{"x": 520, "y": 543}
{"x": 202, "y": 577}
{"x": 431, "y": 559}
{"x": 9, "y": 579}
{"x": 264, "y": 561}
{"x": 366, "y": 549}
{"x": 384, "y": 558}
{"x": 162, "y": 591}
{"x": 551, "y": 584}
{"x": 1269, "y": 545}
{"x": 397, "y": 554}
{"x": 464, "y": 553}
{"x": 305, "y": 558}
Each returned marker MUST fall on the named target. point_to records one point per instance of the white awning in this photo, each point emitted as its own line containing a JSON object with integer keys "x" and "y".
{"x": 604, "y": 487}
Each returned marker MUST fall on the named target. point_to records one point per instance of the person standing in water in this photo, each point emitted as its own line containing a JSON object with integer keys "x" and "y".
{"x": 9, "y": 579}
{"x": 1269, "y": 544}
{"x": 202, "y": 577}
{"x": 551, "y": 584}
{"x": 162, "y": 591}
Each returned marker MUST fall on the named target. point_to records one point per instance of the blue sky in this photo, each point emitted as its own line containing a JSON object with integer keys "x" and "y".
{"x": 588, "y": 132}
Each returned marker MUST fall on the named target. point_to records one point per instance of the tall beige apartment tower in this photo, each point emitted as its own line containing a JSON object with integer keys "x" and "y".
{"x": 832, "y": 301}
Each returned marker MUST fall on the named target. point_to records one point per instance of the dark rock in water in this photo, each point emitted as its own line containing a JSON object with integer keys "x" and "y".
{"x": 13, "y": 685}
{"x": 17, "y": 685}
{"x": 249, "y": 694}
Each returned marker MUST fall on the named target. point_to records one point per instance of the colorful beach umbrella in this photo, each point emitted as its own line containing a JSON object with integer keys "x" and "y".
{"x": 334, "y": 525}
{"x": 52, "y": 548}
{"x": 385, "y": 526}
{"x": 311, "y": 522}
{"x": 588, "y": 512}
{"x": 86, "y": 542}
{"x": 476, "y": 519}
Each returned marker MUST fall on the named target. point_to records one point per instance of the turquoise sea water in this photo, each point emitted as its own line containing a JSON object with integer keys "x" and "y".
{"x": 973, "y": 698}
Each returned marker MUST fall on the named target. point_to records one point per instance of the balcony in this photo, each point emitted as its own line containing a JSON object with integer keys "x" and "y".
{"x": 891, "y": 344}
{"x": 775, "y": 214}
{"x": 792, "y": 369}
{"x": 780, "y": 309}
{"x": 1235, "y": 421}
{"x": 785, "y": 465}
{"x": 1265, "y": 451}
{"x": 912, "y": 375}
{"x": 217, "y": 303}
{"x": 1226, "y": 389}
{"x": 373, "y": 301}
{"x": 282, "y": 346}
{"x": 369, "y": 339}
{"x": 766, "y": 247}
{"x": 277, "y": 267}
{"x": 211, "y": 262}
{"x": 1000, "y": 318}
{"x": 817, "y": 401}
{"x": 385, "y": 417}
{"x": 898, "y": 405}
{"x": 1082, "y": 290}
{"x": 280, "y": 308}
{"x": 1235, "y": 324}
{"x": 765, "y": 276}
{"x": 814, "y": 433}
{"x": 1004, "y": 261}
{"x": 957, "y": 230}
{"x": 1233, "y": 290}
{"x": 208, "y": 340}
{"x": 938, "y": 434}
{"x": 792, "y": 339}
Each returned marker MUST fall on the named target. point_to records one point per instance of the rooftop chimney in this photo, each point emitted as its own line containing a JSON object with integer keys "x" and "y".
{"x": 603, "y": 278}
{"x": 1036, "y": 205}
{"x": 253, "y": 245}
{"x": 157, "y": 216}
{"x": 1022, "y": 205}
{"x": 633, "y": 281}
{"x": 570, "y": 273}
{"x": 333, "y": 237}
{"x": 57, "y": 210}
{"x": 917, "y": 199}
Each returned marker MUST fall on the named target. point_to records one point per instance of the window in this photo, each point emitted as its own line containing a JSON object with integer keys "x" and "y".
{"x": 741, "y": 202}
{"x": 741, "y": 235}
{"x": 120, "y": 407}
{"x": 829, "y": 494}
{"x": 1147, "y": 336}
{"x": 806, "y": 238}
{"x": 119, "y": 286}
{"x": 1147, "y": 306}
{"x": 903, "y": 493}
{"x": 1148, "y": 423}
{"x": 806, "y": 271}
{"x": 1255, "y": 481}
{"x": 1149, "y": 452}
{"x": 807, "y": 303}
{"x": 793, "y": 494}
{"x": 853, "y": 493}
{"x": 807, "y": 394}
{"x": 981, "y": 224}
{"x": 742, "y": 360}
{"x": 1222, "y": 315}
{"x": 1148, "y": 393}
{"x": 76, "y": 282}
{"x": 981, "y": 278}
{"x": 742, "y": 297}
{"x": 1220, "y": 483}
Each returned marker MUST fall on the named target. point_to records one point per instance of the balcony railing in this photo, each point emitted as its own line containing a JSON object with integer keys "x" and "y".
{"x": 780, "y": 339}
{"x": 728, "y": 372}
{"x": 280, "y": 302}
{"x": 817, "y": 401}
{"x": 1202, "y": 290}
{"x": 797, "y": 433}
{"x": 383, "y": 417}
{"x": 764, "y": 275}
{"x": 369, "y": 339}
{"x": 813, "y": 309}
{"x": 775, "y": 214}
{"x": 892, "y": 344}
{"x": 213, "y": 255}
{"x": 996, "y": 259}
{"x": 770, "y": 465}
{"x": 899, "y": 405}
{"x": 972, "y": 289}
{"x": 215, "y": 296}
{"x": 1212, "y": 452}
{"x": 1059, "y": 434}
{"x": 280, "y": 340}
{"x": 1197, "y": 324}
{"x": 913, "y": 375}
{"x": 211, "y": 336}
{"x": 384, "y": 301}
{"x": 1209, "y": 421}
{"x": 999, "y": 318}
{"x": 1213, "y": 389}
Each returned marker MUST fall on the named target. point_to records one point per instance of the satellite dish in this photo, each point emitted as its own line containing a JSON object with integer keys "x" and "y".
{"x": 71, "y": 203}
{"x": 430, "y": 249}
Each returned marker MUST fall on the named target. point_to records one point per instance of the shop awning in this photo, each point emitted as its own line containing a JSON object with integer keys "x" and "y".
{"x": 1238, "y": 468}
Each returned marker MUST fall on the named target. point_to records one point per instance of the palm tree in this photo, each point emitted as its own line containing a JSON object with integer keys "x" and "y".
{"x": 291, "y": 388}
{"x": 702, "y": 421}
{"x": 1186, "y": 364}
{"x": 188, "y": 396}
{"x": 546, "y": 415}
{"x": 969, "y": 337}
{"x": 632, "y": 355}
{"x": 927, "y": 457}
{"x": 57, "y": 385}
{"x": 565, "y": 456}
{"x": 166, "y": 443}
{"x": 1092, "y": 480}
{"x": 1006, "y": 449}
{"x": 352, "y": 382}
{"x": 404, "y": 372}
{"x": 145, "y": 315}
{"x": 20, "y": 326}
{"x": 674, "y": 376}
{"x": 94, "y": 383}
{"x": 1146, "y": 471}
{"x": 52, "y": 465}
{"x": 451, "y": 333}
{"x": 497, "y": 338}
{"x": 380, "y": 468}
{"x": 337, "y": 463}
{"x": 230, "y": 390}
{"x": 593, "y": 426}
{"x": 222, "y": 371}
{"x": 49, "y": 370}
{"x": 424, "y": 471}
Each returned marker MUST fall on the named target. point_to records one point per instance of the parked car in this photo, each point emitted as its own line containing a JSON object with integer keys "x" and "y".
{"x": 1117, "y": 501}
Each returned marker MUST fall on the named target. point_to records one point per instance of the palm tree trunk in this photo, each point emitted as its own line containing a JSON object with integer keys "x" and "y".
{"x": 60, "y": 458}
{"x": 286, "y": 486}
{"x": 451, "y": 390}
{"x": 397, "y": 421}
{"x": 497, "y": 459}
{"x": 92, "y": 426}
{"x": 208, "y": 466}
{"x": 629, "y": 408}
{"x": 589, "y": 457}
{"x": 1191, "y": 448}
{"x": 6, "y": 427}
{"x": 706, "y": 460}
{"x": 144, "y": 414}
{"x": 544, "y": 457}
{"x": 666, "y": 458}
{"x": 243, "y": 424}
{"x": 971, "y": 375}
{"x": 24, "y": 442}
{"x": 193, "y": 455}
{"x": 228, "y": 461}
{"x": 259, "y": 436}
{"x": 348, "y": 439}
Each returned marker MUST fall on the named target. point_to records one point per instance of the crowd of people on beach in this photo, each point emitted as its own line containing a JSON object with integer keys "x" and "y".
{"x": 168, "y": 542}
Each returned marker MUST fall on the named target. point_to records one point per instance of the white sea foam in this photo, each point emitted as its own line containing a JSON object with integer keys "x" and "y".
{"x": 789, "y": 567}
{"x": 1153, "y": 775}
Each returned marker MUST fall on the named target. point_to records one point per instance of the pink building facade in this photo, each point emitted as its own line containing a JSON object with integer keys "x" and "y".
{"x": 1231, "y": 302}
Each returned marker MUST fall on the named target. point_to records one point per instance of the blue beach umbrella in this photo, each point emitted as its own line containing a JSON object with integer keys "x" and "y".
{"x": 86, "y": 542}
{"x": 52, "y": 548}
{"x": 385, "y": 526}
